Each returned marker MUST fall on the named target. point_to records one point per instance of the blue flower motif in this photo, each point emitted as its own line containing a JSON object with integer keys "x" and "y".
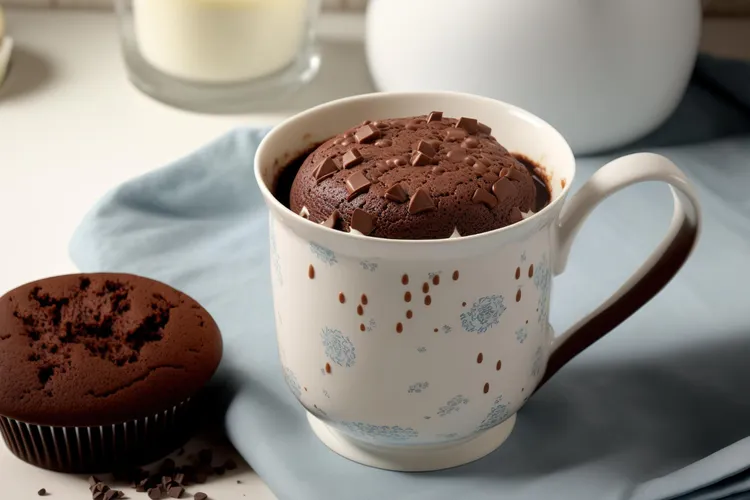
{"x": 339, "y": 348}
{"x": 418, "y": 387}
{"x": 393, "y": 433}
{"x": 521, "y": 334}
{"x": 447, "y": 329}
{"x": 453, "y": 405}
{"x": 368, "y": 266}
{"x": 275, "y": 259}
{"x": 450, "y": 435}
{"x": 543, "y": 281}
{"x": 432, "y": 275}
{"x": 325, "y": 393}
{"x": 324, "y": 254}
{"x": 421, "y": 349}
{"x": 537, "y": 366}
{"x": 318, "y": 412}
{"x": 371, "y": 325}
{"x": 291, "y": 381}
{"x": 523, "y": 256}
{"x": 498, "y": 413}
{"x": 484, "y": 314}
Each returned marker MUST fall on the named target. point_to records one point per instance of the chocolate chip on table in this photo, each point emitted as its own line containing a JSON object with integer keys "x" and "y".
{"x": 435, "y": 116}
{"x": 154, "y": 493}
{"x": 483, "y": 196}
{"x": 111, "y": 494}
{"x": 421, "y": 202}
{"x": 419, "y": 159}
{"x": 357, "y": 184}
{"x": 200, "y": 496}
{"x": 219, "y": 470}
{"x": 352, "y": 158}
{"x": 365, "y": 134}
{"x": 324, "y": 170}
{"x": 362, "y": 222}
{"x": 484, "y": 129}
{"x": 176, "y": 491}
{"x": 426, "y": 148}
{"x": 142, "y": 486}
{"x": 230, "y": 464}
{"x": 179, "y": 478}
{"x": 468, "y": 124}
{"x": 504, "y": 188}
{"x": 42, "y": 492}
{"x": 332, "y": 220}
{"x": 98, "y": 495}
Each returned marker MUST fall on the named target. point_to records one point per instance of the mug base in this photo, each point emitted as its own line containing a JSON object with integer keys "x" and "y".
{"x": 412, "y": 458}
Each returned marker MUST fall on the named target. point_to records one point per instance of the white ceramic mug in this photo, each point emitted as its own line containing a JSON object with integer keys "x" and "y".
{"x": 416, "y": 355}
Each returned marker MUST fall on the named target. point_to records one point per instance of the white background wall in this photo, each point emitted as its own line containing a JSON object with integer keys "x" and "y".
{"x": 105, "y": 4}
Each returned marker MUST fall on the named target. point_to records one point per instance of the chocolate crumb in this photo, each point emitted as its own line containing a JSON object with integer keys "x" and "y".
{"x": 435, "y": 116}
{"x": 396, "y": 193}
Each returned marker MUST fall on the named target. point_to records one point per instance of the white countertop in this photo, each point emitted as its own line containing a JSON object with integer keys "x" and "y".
{"x": 72, "y": 127}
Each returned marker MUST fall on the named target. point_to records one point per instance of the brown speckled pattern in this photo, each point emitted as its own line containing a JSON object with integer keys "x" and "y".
{"x": 463, "y": 163}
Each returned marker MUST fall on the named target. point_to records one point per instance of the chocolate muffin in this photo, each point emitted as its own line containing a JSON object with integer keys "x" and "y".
{"x": 99, "y": 370}
{"x": 420, "y": 177}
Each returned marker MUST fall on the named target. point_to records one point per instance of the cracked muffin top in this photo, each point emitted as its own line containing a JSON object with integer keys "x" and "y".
{"x": 420, "y": 177}
{"x": 99, "y": 349}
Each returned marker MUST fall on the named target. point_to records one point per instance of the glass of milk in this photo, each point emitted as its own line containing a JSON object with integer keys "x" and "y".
{"x": 219, "y": 55}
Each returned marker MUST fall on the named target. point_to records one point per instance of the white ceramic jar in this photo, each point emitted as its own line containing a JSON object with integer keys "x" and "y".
{"x": 604, "y": 72}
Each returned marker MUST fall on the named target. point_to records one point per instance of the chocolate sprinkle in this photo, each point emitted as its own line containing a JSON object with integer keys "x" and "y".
{"x": 362, "y": 222}
{"x": 421, "y": 202}
{"x": 396, "y": 193}
{"x": 332, "y": 220}
{"x": 324, "y": 170}
{"x": 352, "y": 158}
{"x": 468, "y": 124}
{"x": 366, "y": 134}
{"x": 435, "y": 116}
{"x": 419, "y": 159}
{"x": 484, "y": 196}
{"x": 357, "y": 184}
{"x": 426, "y": 148}
{"x": 504, "y": 189}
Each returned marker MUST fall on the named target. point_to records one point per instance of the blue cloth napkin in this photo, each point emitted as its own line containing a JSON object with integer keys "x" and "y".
{"x": 659, "y": 409}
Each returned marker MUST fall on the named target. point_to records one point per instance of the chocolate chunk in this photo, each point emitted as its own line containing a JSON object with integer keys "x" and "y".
{"x": 219, "y": 470}
{"x": 438, "y": 170}
{"x": 470, "y": 143}
{"x": 468, "y": 124}
{"x": 175, "y": 492}
{"x": 142, "y": 486}
{"x": 179, "y": 478}
{"x": 43, "y": 492}
{"x": 419, "y": 159}
{"x": 332, "y": 220}
{"x": 362, "y": 222}
{"x": 455, "y": 134}
{"x": 230, "y": 464}
{"x": 352, "y": 158}
{"x": 324, "y": 170}
{"x": 396, "y": 193}
{"x": 110, "y": 495}
{"x": 200, "y": 496}
{"x": 515, "y": 215}
{"x": 512, "y": 173}
{"x": 435, "y": 116}
{"x": 484, "y": 196}
{"x": 421, "y": 202}
{"x": 366, "y": 134}
{"x": 166, "y": 480}
{"x": 357, "y": 184}
{"x": 457, "y": 155}
{"x": 503, "y": 188}
{"x": 98, "y": 495}
{"x": 154, "y": 493}
{"x": 93, "y": 480}
{"x": 484, "y": 129}
{"x": 426, "y": 148}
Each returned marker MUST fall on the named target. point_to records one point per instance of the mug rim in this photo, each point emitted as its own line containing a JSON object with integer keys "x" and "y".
{"x": 301, "y": 222}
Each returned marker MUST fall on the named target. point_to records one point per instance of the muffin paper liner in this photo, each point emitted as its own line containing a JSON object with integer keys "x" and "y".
{"x": 98, "y": 448}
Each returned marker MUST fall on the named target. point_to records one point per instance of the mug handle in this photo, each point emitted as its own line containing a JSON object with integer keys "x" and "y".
{"x": 654, "y": 273}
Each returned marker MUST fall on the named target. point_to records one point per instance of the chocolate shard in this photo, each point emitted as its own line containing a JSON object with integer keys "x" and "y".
{"x": 110, "y": 495}
{"x": 357, "y": 184}
{"x": 98, "y": 495}
{"x": 179, "y": 478}
{"x": 426, "y": 148}
{"x": 468, "y": 124}
{"x": 175, "y": 492}
{"x": 483, "y": 196}
{"x": 503, "y": 189}
{"x": 324, "y": 170}
{"x": 515, "y": 215}
{"x": 396, "y": 193}
{"x": 435, "y": 116}
{"x": 366, "y": 134}
{"x": 512, "y": 174}
{"x": 352, "y": 158}
{"x": 421, "y": 202}
{"x": 200, "y": 496}
{"x": 330, "y": 223}
{"x": 419, "y": 159}
{"x": 483, "y": 129}
{"x": 154, "y": 493}
{"x": 362, "y": 222}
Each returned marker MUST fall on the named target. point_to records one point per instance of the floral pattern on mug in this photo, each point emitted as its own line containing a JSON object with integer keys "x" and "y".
{"x": 291, "y": 381}
{"x": 521, "y": 334}
{"x": 275, "y": 259}
{"x": 393, "y": 433}
{"x": 537, "y": 366}
{"x": 324, "y": 254}
{"x": 484, "y": 314}
{"x": 452, "y": 406}
{"x": 368, "y": 266}
{"x": 498, "y": 414}
{"x": 338, "y": 347}
{"x": 418, "y": 387}
{"x": 542, "y": 281}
